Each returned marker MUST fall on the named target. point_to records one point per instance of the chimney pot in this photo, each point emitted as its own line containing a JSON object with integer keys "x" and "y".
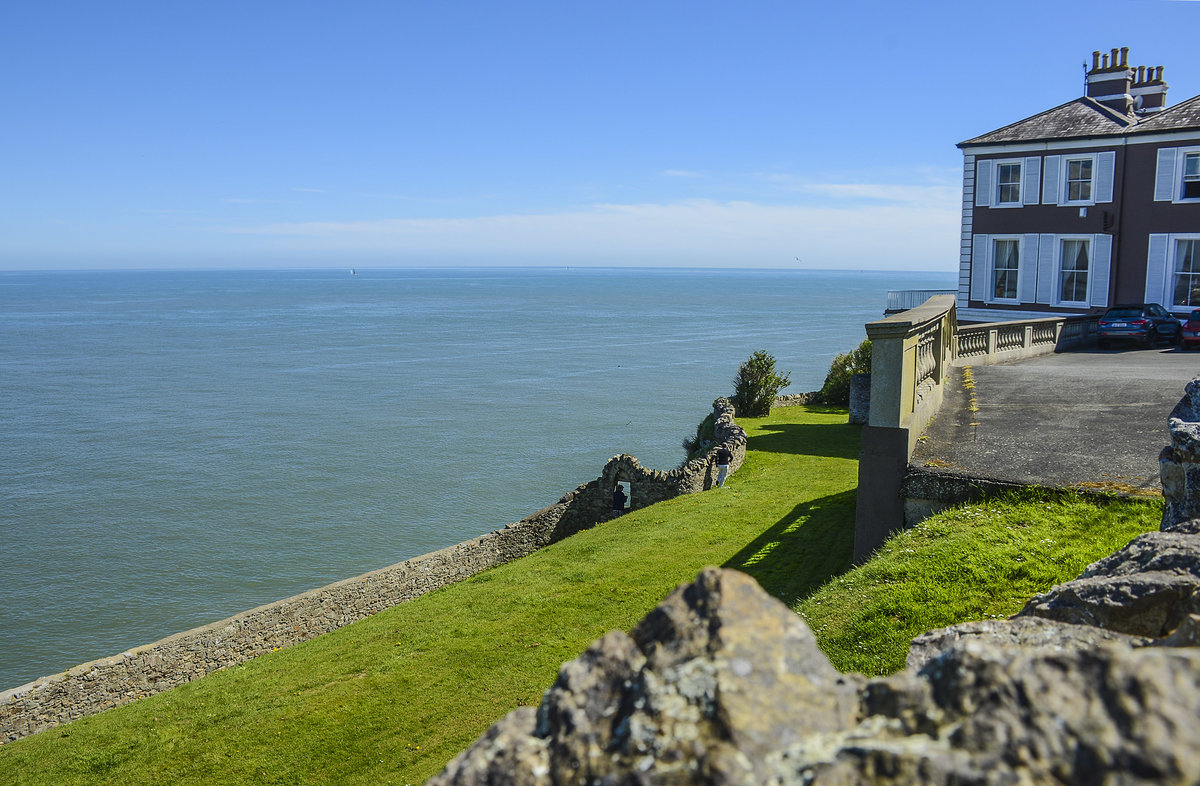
{"x": 1104, "y": 62}
{"x": 1114, "y": 57}
{"x": 1096, "y": 60}
{"x": 1124, "y": 56}
{"x": 1141, "y": 74}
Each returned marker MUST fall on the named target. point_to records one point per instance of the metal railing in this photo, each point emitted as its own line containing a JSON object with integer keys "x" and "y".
{"x": 903, "y": 299}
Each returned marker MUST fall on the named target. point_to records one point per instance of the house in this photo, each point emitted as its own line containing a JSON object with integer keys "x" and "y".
{"x": 1086, "y": 205}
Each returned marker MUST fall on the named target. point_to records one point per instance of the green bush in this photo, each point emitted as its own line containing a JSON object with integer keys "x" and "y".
{"x": 836, "y": 390}
{"x": 756, "y": 385}
{"x": 705, "y": 432}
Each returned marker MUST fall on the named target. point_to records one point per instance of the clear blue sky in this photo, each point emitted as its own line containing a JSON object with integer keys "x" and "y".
{"x": 370, "y": 133}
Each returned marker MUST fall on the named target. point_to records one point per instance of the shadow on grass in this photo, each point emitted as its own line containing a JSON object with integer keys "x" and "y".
{"x": 832, "y": 440}
{"x": 804, "y": 549}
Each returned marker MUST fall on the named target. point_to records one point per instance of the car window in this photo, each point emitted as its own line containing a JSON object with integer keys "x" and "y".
{"x": 1123, "y": 313}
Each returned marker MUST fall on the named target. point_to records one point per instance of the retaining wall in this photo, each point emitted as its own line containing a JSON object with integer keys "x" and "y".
{"x": 101, "y": 684}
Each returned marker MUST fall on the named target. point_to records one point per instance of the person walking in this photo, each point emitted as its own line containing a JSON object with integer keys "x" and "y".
{"x": 723, "y": 459}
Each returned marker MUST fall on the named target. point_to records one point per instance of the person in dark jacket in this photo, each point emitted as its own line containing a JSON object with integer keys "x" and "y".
{"x": 619, "y": 500}
{"x": 723, "y": 459}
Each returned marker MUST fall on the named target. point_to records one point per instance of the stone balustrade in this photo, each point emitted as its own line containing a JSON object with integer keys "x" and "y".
{"x": 911, "y": 353}
{"x": 1000, "y": 342}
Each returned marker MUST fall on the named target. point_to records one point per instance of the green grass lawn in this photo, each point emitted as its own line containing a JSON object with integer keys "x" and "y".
{"x": 390, "y": 699}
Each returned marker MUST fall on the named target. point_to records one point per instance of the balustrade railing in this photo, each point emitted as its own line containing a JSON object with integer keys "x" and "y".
{"x": 1001, "y": 341}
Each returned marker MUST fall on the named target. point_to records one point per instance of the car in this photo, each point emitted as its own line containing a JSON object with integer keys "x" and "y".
{"x": 1143, "y": 323}
{"x": 1191, "y": 331}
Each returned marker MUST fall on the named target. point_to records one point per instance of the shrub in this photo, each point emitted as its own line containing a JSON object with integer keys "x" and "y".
{"x": 756, "y": 385}
{"x": 836, "y": 390}
{"x": 696, "y": 445}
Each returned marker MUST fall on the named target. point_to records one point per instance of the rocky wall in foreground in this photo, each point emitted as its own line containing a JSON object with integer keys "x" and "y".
{"x": 723, "y": 684}
{"x": 101, "y": 684}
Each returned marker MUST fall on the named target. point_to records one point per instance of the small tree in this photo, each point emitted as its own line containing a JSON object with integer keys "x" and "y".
{"x": 836, "y": 390}
{"x": 756, "y": 385}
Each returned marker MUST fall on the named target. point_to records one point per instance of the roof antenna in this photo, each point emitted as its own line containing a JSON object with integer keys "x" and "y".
{"x": 1085, "y": 74}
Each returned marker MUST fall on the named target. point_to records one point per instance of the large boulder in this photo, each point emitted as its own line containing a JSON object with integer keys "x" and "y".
{"x": 1146, "y": 589}
{"x": 709, "y": 688}
{"x": 722, "y": 684}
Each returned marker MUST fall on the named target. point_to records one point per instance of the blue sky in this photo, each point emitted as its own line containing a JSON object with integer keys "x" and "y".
{"x": 306, "y": 134}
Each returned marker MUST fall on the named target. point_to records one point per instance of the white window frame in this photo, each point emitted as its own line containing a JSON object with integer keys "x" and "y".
{"x": 1161, "y": 258}
{"x": 993, "y": 240}
{"x": 1019, "y": 163}
{"x": 1181, "y": 181}
{"x": 1172, "y": 259}
{"x": 1065, "y": 164}
{"x": 1059, "y": 242}
{"x": 1175, "y": 171}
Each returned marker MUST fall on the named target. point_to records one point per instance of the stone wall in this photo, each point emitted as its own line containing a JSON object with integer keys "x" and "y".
{"x": 141, "y": 671}
{"x": 1095, "y": 681}
{"x": 1179, "y": 462}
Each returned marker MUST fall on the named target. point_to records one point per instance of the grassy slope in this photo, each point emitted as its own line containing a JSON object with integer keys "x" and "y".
{"x": 975, "y": 562}
{"x": 392, "y": 698}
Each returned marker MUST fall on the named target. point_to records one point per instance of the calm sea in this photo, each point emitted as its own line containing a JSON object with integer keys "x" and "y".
{"x": 176, "y": 447}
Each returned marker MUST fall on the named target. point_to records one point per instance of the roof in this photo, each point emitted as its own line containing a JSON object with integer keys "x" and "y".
{"x": 1086, "y": 118}
{"x": 1083, "y": 117}
{"x": 1183, "y": 115}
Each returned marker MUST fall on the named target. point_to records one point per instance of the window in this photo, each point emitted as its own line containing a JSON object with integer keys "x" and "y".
{"x": 1177, "y": 175}
{"x": 1079, "y": 179}
{"x": 1004, "y": 269}
{"x": 1008, "y": 178}
{"x": 1187, "y": 273}
{"x": 1073, "y": 271}
{"x": 1191, "y": 176}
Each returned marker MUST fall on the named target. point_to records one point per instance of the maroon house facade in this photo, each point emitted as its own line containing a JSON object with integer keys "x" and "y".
{"x": 1089, "y": 204}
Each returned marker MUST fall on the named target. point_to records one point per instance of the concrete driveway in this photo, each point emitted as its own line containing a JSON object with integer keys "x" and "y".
{"x": 1095, "y": 417}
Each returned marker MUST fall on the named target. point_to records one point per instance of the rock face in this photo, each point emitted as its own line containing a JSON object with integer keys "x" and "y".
{"x": 722, "y": 684}
{"x": 706, "y": 690}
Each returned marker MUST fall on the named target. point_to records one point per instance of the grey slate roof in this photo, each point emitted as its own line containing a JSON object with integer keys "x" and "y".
{"x": 1185, "y": 114}
{"x": 1082, "y": 117}
{"x": 1086, "y": 118}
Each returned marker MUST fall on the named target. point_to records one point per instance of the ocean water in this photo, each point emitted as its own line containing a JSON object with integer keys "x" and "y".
{"x": 176, "y": 447}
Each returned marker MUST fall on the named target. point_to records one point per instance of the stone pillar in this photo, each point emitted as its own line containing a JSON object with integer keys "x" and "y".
{"x": 1179, "y": 462}
{"x": 880, "y": 508}
{"x": 860, "y": 398}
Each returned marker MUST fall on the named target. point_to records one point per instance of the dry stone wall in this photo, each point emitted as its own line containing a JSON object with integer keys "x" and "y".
{"x": 141, "y": 671}
{"x": 723, "y": 684}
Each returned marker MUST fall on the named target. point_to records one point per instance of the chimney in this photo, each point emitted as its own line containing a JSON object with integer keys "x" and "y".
{"x": 1110, "y": 80}
{"x": 1149, "y": 91}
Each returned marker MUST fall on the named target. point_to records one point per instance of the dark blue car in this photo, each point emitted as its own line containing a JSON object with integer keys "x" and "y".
{"x": 1145, "y": 324}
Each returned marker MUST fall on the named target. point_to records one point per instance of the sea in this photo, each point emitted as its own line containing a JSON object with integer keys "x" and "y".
{"x": 180, "y": 446}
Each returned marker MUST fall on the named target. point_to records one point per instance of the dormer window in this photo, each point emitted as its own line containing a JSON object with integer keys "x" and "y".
{"x": 1008, "y": 181}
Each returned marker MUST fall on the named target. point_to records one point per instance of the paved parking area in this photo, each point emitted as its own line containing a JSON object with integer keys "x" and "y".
{"x": 1087, "y": 417}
